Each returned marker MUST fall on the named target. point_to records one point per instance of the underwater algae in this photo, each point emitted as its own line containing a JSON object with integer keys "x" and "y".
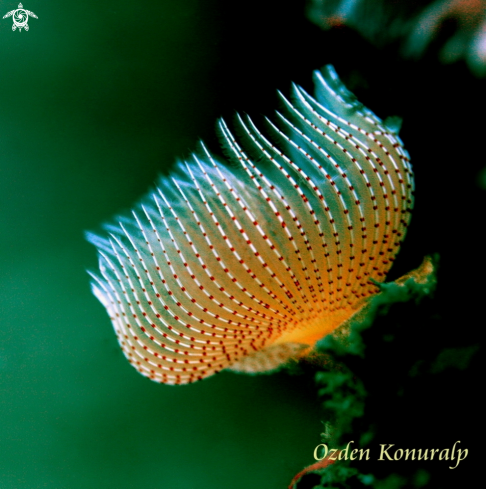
{"x": 246, "y": 264}
{"x": 356, "y": 406}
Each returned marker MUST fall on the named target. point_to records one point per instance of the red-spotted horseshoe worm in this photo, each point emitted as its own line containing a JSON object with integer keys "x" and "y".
{"x": 247, "y": 263}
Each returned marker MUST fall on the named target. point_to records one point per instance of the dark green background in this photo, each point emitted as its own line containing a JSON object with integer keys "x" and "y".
{"x": 96, "y": 100}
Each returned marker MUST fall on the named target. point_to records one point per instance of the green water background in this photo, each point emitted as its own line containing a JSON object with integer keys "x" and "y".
{"x": 96, "y": 99}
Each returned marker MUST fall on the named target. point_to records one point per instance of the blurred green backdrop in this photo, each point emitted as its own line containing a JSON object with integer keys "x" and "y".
{"x": 96, "y": 100}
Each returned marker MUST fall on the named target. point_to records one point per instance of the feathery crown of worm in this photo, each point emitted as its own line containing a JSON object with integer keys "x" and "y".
{"x": 248, "y": 263}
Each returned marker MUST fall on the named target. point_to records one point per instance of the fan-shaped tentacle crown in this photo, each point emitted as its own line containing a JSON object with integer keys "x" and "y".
{"x": 244, "y": 264}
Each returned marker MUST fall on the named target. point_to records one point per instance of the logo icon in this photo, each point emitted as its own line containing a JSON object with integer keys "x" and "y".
{"x": 20, "y": 17}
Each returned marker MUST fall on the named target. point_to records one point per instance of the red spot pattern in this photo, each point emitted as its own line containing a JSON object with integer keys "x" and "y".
{"x": 240, "y": 265}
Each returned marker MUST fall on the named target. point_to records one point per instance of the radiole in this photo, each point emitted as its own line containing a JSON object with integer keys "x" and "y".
{"x": 248, "y": 264}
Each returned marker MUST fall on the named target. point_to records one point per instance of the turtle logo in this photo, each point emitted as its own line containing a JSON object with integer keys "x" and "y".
{"x": 20, "y": 17}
